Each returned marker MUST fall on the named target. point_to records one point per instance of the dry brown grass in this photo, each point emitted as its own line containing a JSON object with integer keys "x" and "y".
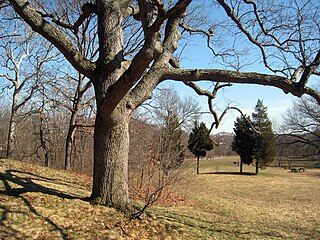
{"x": 276, "y": 204}
{"x": 39, "y": 203}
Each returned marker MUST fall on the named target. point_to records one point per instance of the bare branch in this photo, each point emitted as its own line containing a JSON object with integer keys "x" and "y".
{"x": 246, "y": 32}
{"x": 87, "y": 10}
{"x": 208, "y": 35}
{"x": 40, "y": 25}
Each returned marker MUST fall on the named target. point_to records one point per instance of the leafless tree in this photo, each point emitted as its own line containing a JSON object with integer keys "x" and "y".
{"x": 171, "y": 114}
{"x": 166, "y": 102}
{"x": 121, "y": 85}
{"x": 302, "y": 125}
{"x": 23, "y": 59}
{"x": 75, "y": 98}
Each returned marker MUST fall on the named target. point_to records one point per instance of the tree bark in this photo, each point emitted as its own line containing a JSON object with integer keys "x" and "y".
{"x": 240, "y": 165}
{"x": 11, "y": 136}
{"x": 111, "y": 148}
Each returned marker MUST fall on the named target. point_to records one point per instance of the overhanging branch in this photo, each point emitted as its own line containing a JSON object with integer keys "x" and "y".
{"x": 227, "y": 76}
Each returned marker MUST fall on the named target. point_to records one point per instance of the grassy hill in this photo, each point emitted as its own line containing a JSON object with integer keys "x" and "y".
{"x": 41, "y": 203}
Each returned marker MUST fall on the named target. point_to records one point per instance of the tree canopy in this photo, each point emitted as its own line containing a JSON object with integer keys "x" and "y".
{"x": 199, "y": 141}
{"x": 265, "y": 140}
{"x": 244, "y": 140}
{"x": 254, "y": 139}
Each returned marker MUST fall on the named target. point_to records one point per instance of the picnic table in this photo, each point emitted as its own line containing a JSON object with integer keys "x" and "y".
{"x": 297, "y": 169}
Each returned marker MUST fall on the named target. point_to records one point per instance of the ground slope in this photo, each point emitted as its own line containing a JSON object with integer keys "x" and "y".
{"x": 41, "y": 203}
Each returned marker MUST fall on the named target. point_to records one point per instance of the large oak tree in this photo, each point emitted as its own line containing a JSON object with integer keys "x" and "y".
{"x": 122, "y": 85}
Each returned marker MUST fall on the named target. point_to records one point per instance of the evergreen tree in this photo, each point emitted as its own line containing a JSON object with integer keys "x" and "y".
{"x": 244, "y": 140}
{"x": 199, "y": 141}
{"x": 265, "y": 140}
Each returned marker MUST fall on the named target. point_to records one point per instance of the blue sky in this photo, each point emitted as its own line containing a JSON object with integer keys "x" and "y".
{"x": 245, "y": 97}
{"x": 197, "y": 55}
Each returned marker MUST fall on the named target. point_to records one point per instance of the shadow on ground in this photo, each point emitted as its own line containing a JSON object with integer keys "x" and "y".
{"x": 27, "y": 182}
{"x": 231, "y": 173}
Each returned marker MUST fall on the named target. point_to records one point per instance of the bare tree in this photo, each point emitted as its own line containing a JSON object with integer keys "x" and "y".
{"x": 23, "y": 59}
{"x": 121, "y": 85}
{"x": 166, "y": 102}
{"x": 77, "y": 100}
{"x": 302, "y": 124}
{"x": 171, "y": 114}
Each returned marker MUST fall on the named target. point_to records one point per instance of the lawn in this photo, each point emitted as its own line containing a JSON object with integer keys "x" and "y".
{"x": 40, "y": 203}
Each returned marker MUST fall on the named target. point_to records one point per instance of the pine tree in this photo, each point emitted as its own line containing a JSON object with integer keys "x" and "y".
{"x": 265, "y": 140}
{"x": 199, "y": 141}
{"x": 244, "y": 140}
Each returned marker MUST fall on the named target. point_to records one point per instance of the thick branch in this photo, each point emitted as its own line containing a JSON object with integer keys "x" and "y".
{"x": 132, "y": 11}
{"x": 87, "y": 10}
{"x": 52, "y": 34}
{"x": 309, "y": 70}
{"x": 227, "y": 76}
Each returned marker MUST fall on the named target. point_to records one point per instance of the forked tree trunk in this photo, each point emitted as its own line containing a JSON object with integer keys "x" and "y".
{"x": 111, "y": 148}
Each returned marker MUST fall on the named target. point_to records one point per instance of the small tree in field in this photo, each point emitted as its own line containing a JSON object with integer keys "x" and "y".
{"x": 244, "y": 140}
{"x": 265, "y": 148}
{"x": 199, "y": 141}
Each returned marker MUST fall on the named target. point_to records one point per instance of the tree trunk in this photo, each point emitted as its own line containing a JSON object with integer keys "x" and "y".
{"x": 69, "y": 141}
{"x": 240, "y": 165}
{"x": 257, "y": 167}
{"x": 43, "y": 141}
{"x": 111, "y": 148}
{"x": 11, "y": 137}
{"x": 11, "y": 141}
{"x": 198, "y": 163}
{"x": 69, "y": 145}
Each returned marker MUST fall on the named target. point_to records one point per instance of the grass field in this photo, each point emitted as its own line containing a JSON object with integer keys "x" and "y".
{"x": 40, "y": 203}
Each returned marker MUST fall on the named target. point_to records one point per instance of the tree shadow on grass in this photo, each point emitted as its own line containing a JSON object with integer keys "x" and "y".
{"x": 27, "y": 184}
{"x": 231, "y": 173}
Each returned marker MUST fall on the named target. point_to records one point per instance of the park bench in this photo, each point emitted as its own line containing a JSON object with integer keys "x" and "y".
{"x": 297, "y": 169}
